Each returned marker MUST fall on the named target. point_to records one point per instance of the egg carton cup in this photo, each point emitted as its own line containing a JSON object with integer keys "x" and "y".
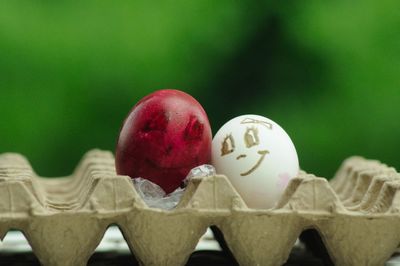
{"x": 64, "y": 219}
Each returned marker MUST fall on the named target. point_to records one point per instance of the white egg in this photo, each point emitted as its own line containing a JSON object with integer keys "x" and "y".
{"x": 257, "y": 156}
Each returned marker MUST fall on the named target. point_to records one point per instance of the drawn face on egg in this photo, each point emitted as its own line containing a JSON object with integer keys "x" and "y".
{"x": 251, "y": 140}
{"x": 257, "y": 156}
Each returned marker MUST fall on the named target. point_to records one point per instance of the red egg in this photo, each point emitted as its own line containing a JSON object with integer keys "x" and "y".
{"x": 165, "y": 135}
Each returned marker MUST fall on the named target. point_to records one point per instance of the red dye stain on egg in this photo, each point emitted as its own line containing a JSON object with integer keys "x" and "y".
{"x": 165, "y": 135}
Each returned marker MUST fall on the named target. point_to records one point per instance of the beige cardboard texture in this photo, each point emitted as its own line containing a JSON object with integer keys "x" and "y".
{"x": 64, "y": 219}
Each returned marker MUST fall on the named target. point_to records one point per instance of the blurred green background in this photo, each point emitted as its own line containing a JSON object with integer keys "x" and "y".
{"x": 327, "y": 71}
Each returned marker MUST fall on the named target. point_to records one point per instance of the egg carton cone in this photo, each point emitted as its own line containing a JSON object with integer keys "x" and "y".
{"x": 64, "y": 219}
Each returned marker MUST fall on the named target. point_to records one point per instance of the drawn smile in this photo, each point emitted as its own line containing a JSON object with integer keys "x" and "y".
{"x": 262, "y": 153}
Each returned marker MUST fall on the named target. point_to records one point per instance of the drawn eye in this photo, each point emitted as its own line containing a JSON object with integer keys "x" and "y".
{"x": 251, "y": 137}
{"x": 228, "y": 145}
{"x": 194, "y": 129}
{"x": 159, "y": 122}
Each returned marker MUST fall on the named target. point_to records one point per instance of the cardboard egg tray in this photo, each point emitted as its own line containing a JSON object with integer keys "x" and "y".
{"x": 64, "y": 219}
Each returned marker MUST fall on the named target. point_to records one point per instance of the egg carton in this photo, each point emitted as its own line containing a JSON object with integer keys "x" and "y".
{"x": 64, "y": 219}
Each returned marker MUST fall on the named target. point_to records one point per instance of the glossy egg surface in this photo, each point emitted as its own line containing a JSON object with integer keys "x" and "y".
{"x": 165, "y": 135}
